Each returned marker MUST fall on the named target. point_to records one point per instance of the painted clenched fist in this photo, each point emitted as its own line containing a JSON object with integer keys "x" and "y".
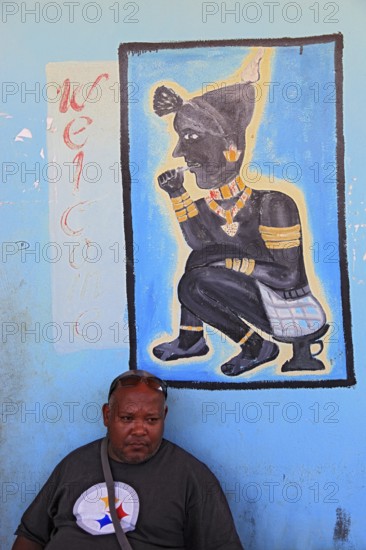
{"x": 171, "y": 181}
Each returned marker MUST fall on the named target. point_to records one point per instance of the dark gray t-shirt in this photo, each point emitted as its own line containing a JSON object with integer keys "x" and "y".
{"x": 172, "y": 501}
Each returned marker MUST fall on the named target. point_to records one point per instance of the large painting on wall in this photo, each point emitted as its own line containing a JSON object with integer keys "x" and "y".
{"x": 233, "y": 186}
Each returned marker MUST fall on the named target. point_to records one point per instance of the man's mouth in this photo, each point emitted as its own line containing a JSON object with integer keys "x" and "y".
{"x": 192, "y": 164}
{"x": 137, "y": 444}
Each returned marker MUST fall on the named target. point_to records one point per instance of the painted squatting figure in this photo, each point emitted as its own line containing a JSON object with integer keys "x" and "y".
{"x": 246, "y": 268}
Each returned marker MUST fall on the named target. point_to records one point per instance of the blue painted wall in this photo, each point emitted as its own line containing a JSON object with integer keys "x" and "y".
{"x": 290, "y": 461}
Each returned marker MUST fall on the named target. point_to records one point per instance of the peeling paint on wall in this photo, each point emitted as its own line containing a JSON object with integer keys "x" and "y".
{"x": 342, "y": 526}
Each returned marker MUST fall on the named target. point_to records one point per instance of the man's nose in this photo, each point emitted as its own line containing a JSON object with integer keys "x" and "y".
{"x": 139, "y": 427}
{"x": 179, "y": 150}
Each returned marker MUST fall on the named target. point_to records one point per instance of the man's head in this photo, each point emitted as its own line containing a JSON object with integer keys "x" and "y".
{"x": 211, "y": 127}
{"x": 134, "y": 416}
{"x": 208, "y": 127}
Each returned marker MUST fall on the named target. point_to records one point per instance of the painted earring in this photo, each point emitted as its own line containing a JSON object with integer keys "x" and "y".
{"x": 232, "y": 155}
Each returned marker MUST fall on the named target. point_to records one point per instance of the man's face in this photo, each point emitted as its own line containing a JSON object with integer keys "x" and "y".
{"x": 135, "y": 421}
{"x": 203, "y": 153}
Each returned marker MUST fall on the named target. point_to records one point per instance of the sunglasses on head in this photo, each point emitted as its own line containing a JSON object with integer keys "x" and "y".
{"x": 132, "y": 380}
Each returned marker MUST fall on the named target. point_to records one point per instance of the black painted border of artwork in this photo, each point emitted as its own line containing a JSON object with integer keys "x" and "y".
{"x": 136, "y": 48}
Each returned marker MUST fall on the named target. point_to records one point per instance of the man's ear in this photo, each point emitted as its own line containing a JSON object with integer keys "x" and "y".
{"x": 106, "y": 414}
{"x": 165, "y": 411}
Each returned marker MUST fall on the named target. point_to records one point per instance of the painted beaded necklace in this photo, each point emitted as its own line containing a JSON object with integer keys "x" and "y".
{"x": 225, "y": 192}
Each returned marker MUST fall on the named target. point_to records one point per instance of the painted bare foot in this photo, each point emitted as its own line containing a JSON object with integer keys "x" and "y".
{"x": 170, "y": 351}
{"x": 247, "y": 360}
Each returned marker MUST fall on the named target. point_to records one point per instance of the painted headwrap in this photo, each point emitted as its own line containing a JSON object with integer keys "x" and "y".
{"x": 219, "y": 112}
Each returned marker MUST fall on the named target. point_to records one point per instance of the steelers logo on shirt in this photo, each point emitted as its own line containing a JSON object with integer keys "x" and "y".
{"x": 92, "y": 509}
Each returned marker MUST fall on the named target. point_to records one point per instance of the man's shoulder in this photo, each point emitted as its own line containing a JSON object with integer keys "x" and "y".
{"x": 86, "y": 452}
{"x": 273, "y": 198}
{"x": 177, "y": 455}
{"x": 171, "y": 447}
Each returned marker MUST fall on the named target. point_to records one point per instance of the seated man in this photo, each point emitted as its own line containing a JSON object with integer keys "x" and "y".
{"x": 164, "y": 497}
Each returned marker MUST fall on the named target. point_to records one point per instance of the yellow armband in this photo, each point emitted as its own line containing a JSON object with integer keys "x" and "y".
{"x": 184, "y": 207}
{"x": 277, "y": 238}
{"x": 243, "y": 265}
